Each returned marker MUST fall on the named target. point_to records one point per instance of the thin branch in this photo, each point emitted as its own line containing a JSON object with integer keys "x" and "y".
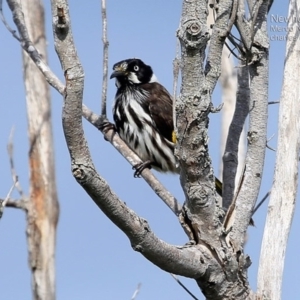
{"x": 10, "y": 151}
{"x": 261, "y": 202}
{"x": 283, "y": 198}
{"x": 4, "y": 202}
{"x": 267, "y": 143}
{"x": 105, "y": 58}
{"x": 230, "y": 157}
{"x": 13, "y": 32}
{"x": 183, "y": 286}
{"x": 257, "y": 134}
{"x": 232, "y": 52}
{"x": 136, "y": 292}
{"x": 270, "y": 148}
{"x": 31, "y": 50}
{"x": 273, "y": 102}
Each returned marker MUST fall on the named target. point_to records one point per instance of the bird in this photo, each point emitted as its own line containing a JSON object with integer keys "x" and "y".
{"x": 143, "y": 117}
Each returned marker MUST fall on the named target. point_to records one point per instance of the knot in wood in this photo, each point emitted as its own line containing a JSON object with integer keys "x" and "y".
{"x": 193, "y": 34}
{"x": 193, "y": 29}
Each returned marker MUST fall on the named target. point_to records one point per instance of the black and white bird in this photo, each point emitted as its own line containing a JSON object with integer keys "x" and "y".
{"x": 143, "y": 115}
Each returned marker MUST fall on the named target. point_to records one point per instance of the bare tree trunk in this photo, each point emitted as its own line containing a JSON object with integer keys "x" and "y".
{"x": 42, "y": 214}
{"x": 283, "y": 194}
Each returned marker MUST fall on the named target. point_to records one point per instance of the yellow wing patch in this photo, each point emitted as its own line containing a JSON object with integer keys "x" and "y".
{"x": 174, "y": 137}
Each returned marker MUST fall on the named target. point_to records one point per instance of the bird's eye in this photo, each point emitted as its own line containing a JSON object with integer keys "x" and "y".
{"x": 136, "y": 68}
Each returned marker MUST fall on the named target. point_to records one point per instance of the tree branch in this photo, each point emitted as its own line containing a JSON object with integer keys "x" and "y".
{"x": 283, "y": 194}
{"x": 105, "y": 58}
{"x": 257, "y": 134}
{"x": 231, "y": 153}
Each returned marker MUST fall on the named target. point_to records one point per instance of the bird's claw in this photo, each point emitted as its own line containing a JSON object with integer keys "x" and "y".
{"x": 105, "y": 126}
{"x": 140, "y": 167}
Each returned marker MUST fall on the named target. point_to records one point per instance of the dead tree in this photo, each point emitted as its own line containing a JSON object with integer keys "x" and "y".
{"x": 41, "y": 206}
{"x": 214, "y": 255}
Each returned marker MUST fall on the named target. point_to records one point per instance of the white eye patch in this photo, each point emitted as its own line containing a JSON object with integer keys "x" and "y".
{"x": 136, "y": 68}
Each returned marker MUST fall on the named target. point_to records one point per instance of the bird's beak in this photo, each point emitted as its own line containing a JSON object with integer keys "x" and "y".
{"x": 117, "y": 74}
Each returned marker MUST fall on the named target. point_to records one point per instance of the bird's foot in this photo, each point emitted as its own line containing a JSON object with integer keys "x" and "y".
{"x": 140, "y": 167}
{"x": 105, "y": 126}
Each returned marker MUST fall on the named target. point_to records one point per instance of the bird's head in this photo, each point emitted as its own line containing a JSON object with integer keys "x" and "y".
{"x": 132, "y": 72}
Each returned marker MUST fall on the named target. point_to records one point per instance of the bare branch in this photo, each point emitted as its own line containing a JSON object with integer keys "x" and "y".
{"x": 230, "y": 157}
{"x": 273, "y": 102}
{"x": 257, "y": 134}
{"x": 261, "y": 202}
{"x": 136, "y": 292}
{"x": 17, "y": 203}
{"x": 184, "y": 287}
{"x": 3, "y": 203}
{"x": 10, "y": 151}
{"x": 28, "y": 46}
{"x": 283, "y": 195}
{"x": 13, "y": 32}
{"x": 105, "y": 58}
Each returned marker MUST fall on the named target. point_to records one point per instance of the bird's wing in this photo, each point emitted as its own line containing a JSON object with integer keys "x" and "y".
{"x": 160, "y": 108}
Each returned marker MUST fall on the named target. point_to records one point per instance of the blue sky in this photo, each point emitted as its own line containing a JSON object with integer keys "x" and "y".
{"x": 94, "y": 258}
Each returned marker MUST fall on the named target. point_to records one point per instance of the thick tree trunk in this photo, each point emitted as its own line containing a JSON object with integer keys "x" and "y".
{"x": 283, "y": 194}
{"x": 42, "y": 214}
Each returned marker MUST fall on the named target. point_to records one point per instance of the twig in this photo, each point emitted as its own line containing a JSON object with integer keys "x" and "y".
{"x": 182, "y": 285}
{"x": 273, "y": 102}
{"x": 268, "y": 140}
{"x": 4, "y": 202}
{"x": 105, "y": 58}
{"x": 13, "y": 32}
{"x": 10, "y": 151}
{"x": 137, "y": 290}
{"x": 261, "y": 202}
{"x": 28, "y": 46}
{"x": 231, "y": 51}
{"x": 270, "y": 148}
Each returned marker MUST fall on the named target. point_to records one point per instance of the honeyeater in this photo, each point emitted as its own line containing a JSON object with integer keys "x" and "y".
{"x": 143, "y": 116}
